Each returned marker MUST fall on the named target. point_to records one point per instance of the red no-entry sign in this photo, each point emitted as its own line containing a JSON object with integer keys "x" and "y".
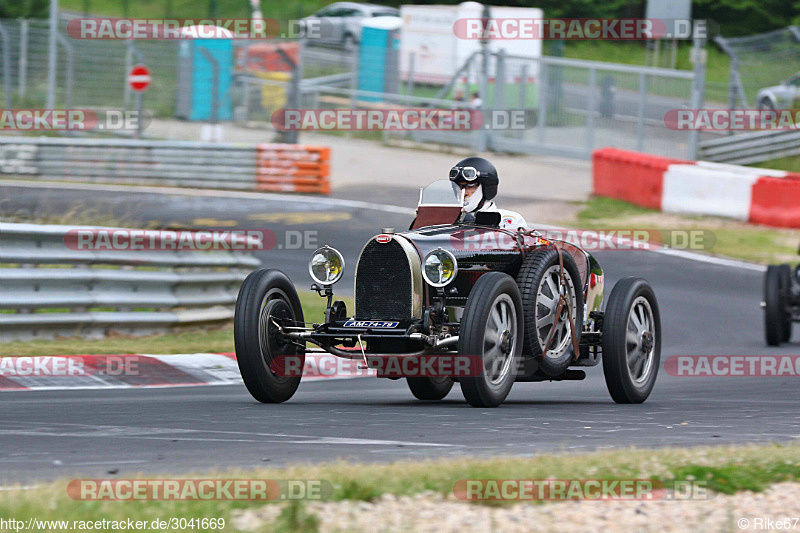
{"x": 139, "y": 78}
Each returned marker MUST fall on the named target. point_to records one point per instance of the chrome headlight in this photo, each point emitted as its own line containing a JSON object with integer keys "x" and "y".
{"x": 326, "y": 265}
{"x": 440, "y": 267}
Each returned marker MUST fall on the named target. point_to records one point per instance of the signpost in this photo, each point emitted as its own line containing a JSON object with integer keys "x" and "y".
{"x": 139, "y": 80}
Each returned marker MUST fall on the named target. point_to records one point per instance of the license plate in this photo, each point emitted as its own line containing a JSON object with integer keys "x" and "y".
{"x": 370, "y": 324}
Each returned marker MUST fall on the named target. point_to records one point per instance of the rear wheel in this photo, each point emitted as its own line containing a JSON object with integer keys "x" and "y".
{"x": 430, "y": 388}
{"x": 491, "y": 328}
{"x": 631, "y": 341}
{"x": 267, "y": 297}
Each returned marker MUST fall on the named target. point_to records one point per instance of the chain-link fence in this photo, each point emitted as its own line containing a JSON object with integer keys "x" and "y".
{"x": 570, "y": 106}
{"x": 761, "y": 61}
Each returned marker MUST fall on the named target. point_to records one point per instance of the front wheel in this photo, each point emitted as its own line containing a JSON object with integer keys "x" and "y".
{"x": 631, "y": 341}
{"x": 267, "y": 297}
{"x": 492, "y": 329}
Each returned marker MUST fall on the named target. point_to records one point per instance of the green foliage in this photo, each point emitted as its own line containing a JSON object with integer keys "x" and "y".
{"x": 10, "y": 9}
{"x": 294, "y": 518}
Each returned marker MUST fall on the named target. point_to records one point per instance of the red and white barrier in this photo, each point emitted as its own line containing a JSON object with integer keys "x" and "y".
{"x": 763, "y": 196}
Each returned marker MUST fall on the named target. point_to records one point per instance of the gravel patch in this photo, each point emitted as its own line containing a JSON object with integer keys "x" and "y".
{"x": 434, "y": 513}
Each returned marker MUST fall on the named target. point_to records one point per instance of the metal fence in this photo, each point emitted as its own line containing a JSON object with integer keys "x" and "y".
{"x": 759, "y": 61}
{"x": 574, "y": 105}
{"x": 571, "y": 106}
{"x": 48, "y": 288}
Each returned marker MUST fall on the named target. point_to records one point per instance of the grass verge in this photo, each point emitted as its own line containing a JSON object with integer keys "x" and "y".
{"x": 194, "y": 341}
{"x": 789, "y": 164}
{"x": 721, "y": 237}
{"x": 724, "y": 469}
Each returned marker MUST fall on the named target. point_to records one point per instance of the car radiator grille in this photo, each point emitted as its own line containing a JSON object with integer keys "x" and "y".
{"x": 383, "y": 283}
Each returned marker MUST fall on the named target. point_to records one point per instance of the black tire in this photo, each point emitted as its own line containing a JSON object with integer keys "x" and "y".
{"x": 529, "y": 278}
{"x": 765, "y": 104}
{"x": 493, "y": 290}
{"x": 349, "y": 43}
{"x": 430, "y": 388}
{"x": 785, "y": 272}
{"x": 629, "y": 302}
{"x": 775, "y": 312}
{"x": 266, "y": 292}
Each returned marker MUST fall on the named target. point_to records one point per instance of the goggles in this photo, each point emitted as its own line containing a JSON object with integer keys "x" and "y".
{"x": 467, "y": 173}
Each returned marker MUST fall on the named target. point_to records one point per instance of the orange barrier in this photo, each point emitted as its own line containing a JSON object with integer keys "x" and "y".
{"x": 631, "y": 176}
{"x": 293, "y": 167}
{"x": 264, "y": 57}
{"x": 776, "y": 201}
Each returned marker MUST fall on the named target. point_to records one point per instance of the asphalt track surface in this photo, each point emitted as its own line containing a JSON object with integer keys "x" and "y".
{"x": 707, "y": 309}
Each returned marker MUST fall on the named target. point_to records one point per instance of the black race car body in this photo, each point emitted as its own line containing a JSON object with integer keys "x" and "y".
{"x": 524, "y": 306}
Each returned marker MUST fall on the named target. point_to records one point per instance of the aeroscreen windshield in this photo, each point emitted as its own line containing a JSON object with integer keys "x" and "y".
{"x": 441, "y": 193}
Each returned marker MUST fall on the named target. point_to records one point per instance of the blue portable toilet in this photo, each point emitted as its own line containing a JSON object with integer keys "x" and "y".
{"x": 379, "y": 56}
{"x": 196, "y": 74}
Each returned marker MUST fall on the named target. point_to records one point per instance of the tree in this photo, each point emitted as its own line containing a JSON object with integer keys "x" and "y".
{"x": 11, "y": 9}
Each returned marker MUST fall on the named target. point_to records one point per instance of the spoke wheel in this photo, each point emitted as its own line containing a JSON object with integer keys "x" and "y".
{"x": 631, "y": 341}
{"x": 540, "y": 285}
{"x": 491, "y": 328}
{"x": 640, "y": 341}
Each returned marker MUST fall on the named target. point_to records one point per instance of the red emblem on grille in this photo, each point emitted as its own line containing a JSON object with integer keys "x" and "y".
{"x": 383, "y": 239}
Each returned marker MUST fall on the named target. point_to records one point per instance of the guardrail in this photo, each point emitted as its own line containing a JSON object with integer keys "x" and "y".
{"x": 48, "y": 288}
{"x": 173, "y": 163}
{"x": 755, "y": 147}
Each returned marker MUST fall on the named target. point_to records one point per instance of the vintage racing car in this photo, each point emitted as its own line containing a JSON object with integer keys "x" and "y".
{"x": 528, "y": 308}
{"x": 781, "y": 302}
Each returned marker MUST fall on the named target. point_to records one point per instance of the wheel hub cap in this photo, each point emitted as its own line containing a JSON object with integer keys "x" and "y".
{"x": 646, "y": 342}
{"x": 505, "y": 341}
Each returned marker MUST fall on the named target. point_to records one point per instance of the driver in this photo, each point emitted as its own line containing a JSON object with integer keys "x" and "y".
{"x": 477, "y": 177}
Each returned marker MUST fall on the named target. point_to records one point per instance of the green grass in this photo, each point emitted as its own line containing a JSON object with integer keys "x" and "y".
{"x": 723, "y": 469}
{"x": 722, "y": 237}
{"x": 601, "y": 208}
{"x": 192, "y": 341}
{"x": 789, "y": 164}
